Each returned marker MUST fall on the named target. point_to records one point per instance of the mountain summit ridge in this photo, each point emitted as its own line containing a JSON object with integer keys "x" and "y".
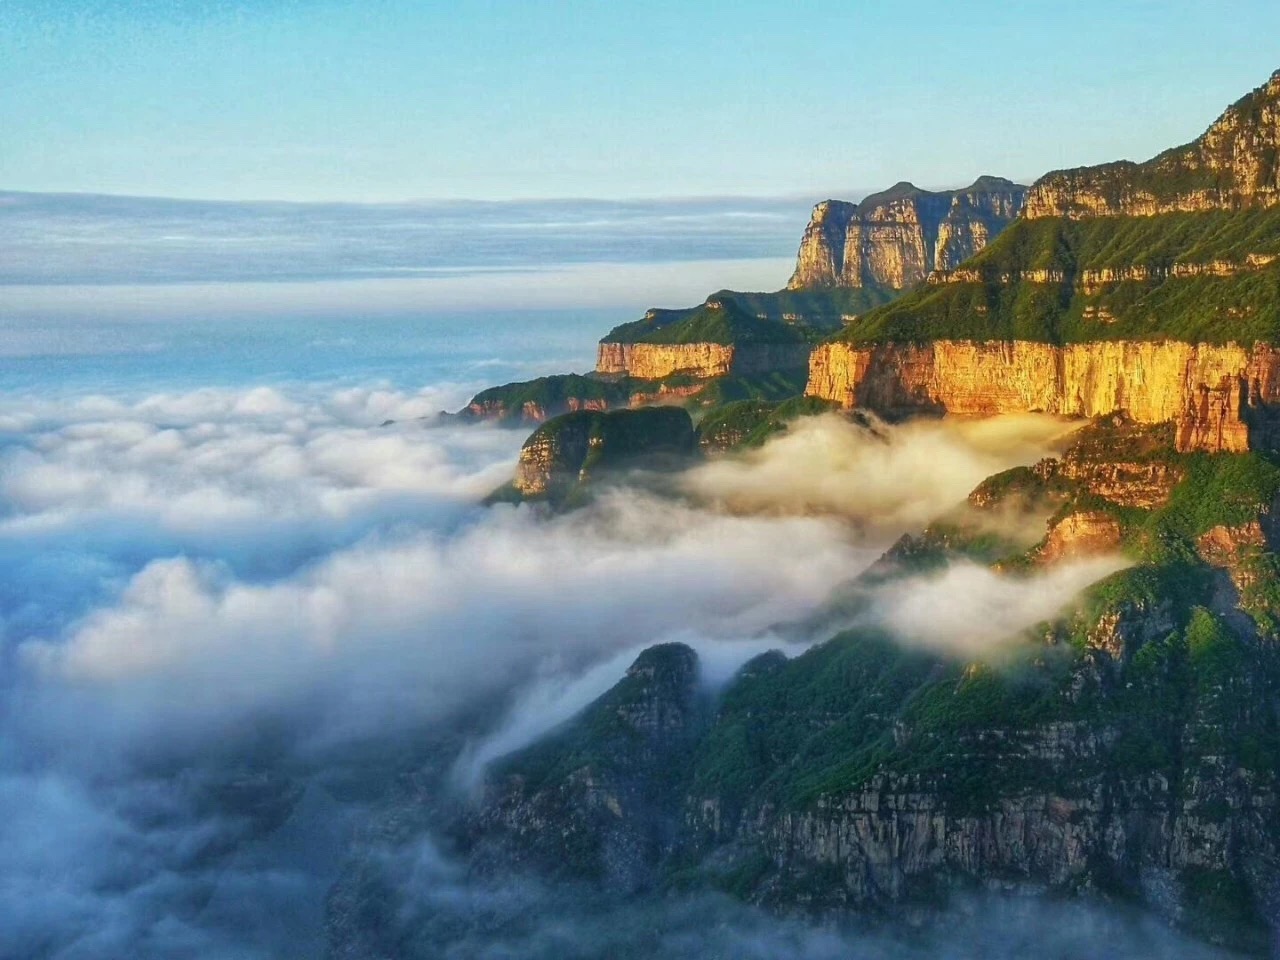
{"x": 1234, "y": 164}
{"x": 894, "y": 238}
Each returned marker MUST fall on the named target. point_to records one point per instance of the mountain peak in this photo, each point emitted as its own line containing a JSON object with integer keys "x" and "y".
{"x": 947, "y": 225}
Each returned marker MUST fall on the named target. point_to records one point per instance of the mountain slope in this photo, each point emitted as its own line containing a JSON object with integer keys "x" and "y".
{"x": 1184, "y": 246}
{"x": 1129, "y": 749}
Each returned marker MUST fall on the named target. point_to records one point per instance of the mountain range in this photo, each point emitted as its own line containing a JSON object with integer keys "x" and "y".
{"x": 1127, "y": 748}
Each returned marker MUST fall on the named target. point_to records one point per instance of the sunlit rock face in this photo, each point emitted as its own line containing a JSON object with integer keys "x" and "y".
{"x": 896, "y": 238}
{"x": 1233, "y": 165}
{"x": 653, "y": 361}
{"x": 1220, "y": 396}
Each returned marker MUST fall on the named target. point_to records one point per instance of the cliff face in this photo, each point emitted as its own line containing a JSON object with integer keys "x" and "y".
{"x": 1233, "y": 165}
{"x": 1218, "y": 395}
{"x": 654, "y": 361}
{"x": 1131, "y": 749}
{"x": 894, "y": 239}
{"x": 719, "y": 338}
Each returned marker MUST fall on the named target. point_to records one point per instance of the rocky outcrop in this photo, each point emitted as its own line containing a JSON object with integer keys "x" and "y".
{"x": 613, "y": 808}
{"x": 703, "y": 361}
{"x": 896, "y": 238}
{"x": 1121, "y": 461}
{"x": 568, "y": 450}
{"x": 531, "y": 411}
{"x": 1090, "y": 281}
{"x": 1235, "y": 164}
{"x": 1221, "y": 397}
{"x": 1133, "y": 779}
{"x": 1080, "y": 534}
{"x": 717, "y": 339}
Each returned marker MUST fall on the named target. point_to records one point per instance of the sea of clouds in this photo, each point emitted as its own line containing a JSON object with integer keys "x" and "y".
{"x": 217, "y": 602}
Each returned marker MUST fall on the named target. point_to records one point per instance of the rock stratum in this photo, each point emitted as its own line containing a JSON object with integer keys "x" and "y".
{"x": 703, "y": 361}
{"x": 1222, "y": 398}
{"x": 892, "y": 240}
{"x": 1152, "y": 288}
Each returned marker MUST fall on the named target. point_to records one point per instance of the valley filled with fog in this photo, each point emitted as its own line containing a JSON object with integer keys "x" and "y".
{"x": 234, "y": 616}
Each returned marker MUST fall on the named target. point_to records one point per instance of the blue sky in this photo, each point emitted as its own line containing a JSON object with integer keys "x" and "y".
{"x": 393, "y": 99}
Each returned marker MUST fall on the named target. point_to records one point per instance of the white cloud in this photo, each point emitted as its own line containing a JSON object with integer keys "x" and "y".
{"x": 206, "y": 567}
{"x": 972, "y": 611}
{"x": 888, "y": 479}
{"x": 396, "y": 631}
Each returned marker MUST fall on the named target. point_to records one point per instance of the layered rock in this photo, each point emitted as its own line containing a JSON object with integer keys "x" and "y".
{"x": 896, "y": 238}
{"x": 1091, "y": 281}
{"x": 535, "y": 401}
{"x": 704, "y": 361}
{"x": 719, "y": 338}
{"x": 1233, "y": 165}
{"x": 1220, "y": 396}
{"x": 1080, "y": 534}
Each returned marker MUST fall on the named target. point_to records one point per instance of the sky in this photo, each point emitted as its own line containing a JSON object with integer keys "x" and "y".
{"x": 381, "y": 100}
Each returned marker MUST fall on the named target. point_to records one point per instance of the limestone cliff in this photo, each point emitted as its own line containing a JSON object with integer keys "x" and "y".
{"x": 894, "y": 239}
{"x": 654, "y": 361}
{"x": 1184, "y": 246}
{"x": 1221, "y": 397}
{"x": 538, "y": 400}
{"x": 1235, "y": 164}
{"x": 719, "y": 338}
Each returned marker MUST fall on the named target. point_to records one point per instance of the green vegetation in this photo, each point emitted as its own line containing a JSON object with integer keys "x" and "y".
{"x": 1244, "y": 307}
{"x": 823, "y": 309}
{"x": 716, "y": 321}
{"x": 731, "y": 316}
{"x": 606, "y": 736}
{"x": 551, "y": 395}
{"x": 1139, "y": 691}
{"x": 619, "y": 438}
{"x": 744, "y": 424}
{"x": 771, "y": 387}
{"x": 567, "y": 455}
{"x": 1219, "y": 489}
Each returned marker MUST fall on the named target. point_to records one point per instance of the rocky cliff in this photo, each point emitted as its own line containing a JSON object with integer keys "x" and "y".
{"x": 1129, "y": 750}
{"x": 1222, "y": 397}
{"x": 1184, "y": 246}
{"x": 1233, "y": 165}
{"x": 535, "y": 401}
{"x": 618, "y": 810}
{"x": 720, "y": 338}
{"x": 704, "y": 361}
{"x": 893, "y": 240}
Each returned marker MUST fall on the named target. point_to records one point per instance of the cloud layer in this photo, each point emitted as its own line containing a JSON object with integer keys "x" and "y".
{"x": 887, "y": 479}
{"x": 86, "y": 255}
{"x": 223, "y": 609}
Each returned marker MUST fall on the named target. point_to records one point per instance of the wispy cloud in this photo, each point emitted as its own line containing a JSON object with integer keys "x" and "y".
{"x": 90, "y": 239}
